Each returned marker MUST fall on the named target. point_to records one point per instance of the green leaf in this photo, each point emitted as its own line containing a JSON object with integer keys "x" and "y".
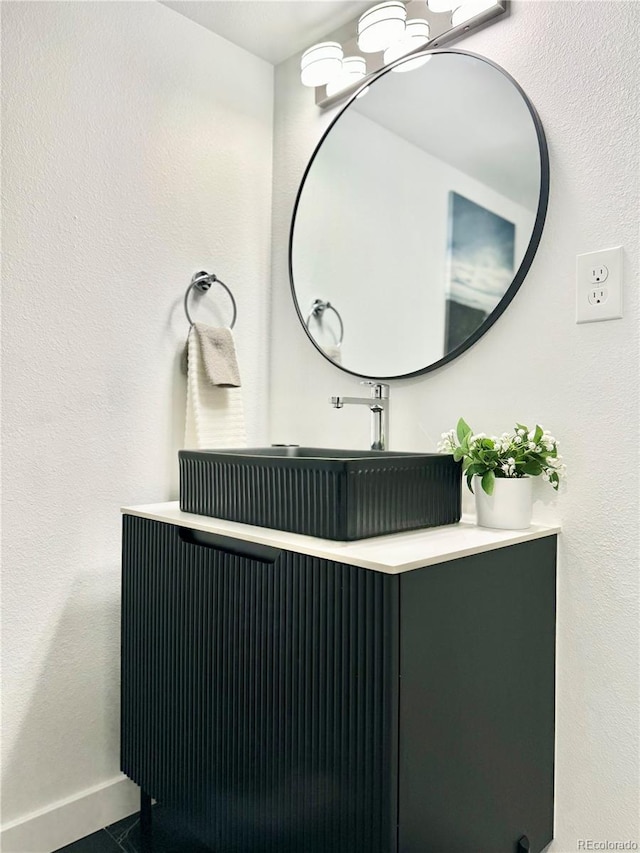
{"x": 458, "y": 453}
{"x": 463, "y": 430}
{"x": 488, "y": 481}
{"x": 538, "y": 433}
{"x": 532, "y": 468}
{"x": 469, "y": 479}
{"x": 475, "y": 468}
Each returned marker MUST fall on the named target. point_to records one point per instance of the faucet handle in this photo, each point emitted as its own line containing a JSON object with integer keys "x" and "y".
{"x": 379, "y": 390}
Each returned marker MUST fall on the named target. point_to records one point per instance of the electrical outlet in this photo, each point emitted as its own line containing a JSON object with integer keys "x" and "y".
{"x": 598, "y": 295}
{"x": 598, "y": 273}
{"x": 596, "y": 301}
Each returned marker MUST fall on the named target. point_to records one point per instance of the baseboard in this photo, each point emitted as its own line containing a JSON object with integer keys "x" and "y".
{"x": 68, "y": 820}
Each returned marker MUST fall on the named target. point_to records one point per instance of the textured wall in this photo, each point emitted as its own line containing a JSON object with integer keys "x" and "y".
{"x": 137, "y": 149}
{"x": 579, "y": 65}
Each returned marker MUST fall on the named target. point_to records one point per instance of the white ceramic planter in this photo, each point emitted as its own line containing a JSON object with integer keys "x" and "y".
{"x": 510, "y": 505}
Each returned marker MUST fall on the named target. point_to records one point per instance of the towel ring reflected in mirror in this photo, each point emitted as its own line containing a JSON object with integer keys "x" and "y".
{"x": 202, "y": 281}
{"x": 317, "y": 310}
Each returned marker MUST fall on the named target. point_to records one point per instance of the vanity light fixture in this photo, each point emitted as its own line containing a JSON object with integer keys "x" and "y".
{"x": 354, "y": 69}
{"x": 381, "y": 25}
{"x": 416, "y": 35}
{"x": 385, "y": 33}
{"x": 321, "y": 63}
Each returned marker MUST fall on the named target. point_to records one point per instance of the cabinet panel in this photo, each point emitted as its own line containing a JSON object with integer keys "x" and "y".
{"x": 259, "y": 692}
{"x": 477, "y": 659}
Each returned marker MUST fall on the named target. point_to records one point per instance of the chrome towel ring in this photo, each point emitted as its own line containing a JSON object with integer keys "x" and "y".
{"x": 202, "y": 281}
{"x": 317, "y": 310}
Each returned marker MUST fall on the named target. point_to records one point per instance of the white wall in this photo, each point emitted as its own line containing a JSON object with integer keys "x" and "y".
{"x": 581, "y": 382}
{"x": 137, "y": 150}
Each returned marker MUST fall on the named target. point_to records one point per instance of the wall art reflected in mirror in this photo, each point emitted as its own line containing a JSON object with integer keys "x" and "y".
{"x": 418, "y": 215}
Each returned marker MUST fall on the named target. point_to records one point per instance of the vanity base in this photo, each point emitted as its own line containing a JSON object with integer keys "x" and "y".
{"x": 288, "y": 703}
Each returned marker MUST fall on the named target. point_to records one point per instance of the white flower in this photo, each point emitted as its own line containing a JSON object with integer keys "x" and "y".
{"x": 447, "y": 445}
{"x": 545, "y": 476}
{"x": 555, "y": 462}
{"x": 522, "y": 432}
{"x": 531, "y": 444}
{"x": 511, "y": 460}
{"x": 531, "y": 434}
{"x": 556, "y": 466}
{"x": 517, "y": 439}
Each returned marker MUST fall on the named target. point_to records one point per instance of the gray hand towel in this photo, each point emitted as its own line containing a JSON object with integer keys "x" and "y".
{"x": 218, "y": 353}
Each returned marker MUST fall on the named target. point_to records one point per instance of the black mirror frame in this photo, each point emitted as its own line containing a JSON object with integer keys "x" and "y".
{"x": 527, "y": 259}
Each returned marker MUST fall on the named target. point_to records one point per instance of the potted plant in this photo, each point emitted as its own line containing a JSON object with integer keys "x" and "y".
{"x": 499, "y": 470}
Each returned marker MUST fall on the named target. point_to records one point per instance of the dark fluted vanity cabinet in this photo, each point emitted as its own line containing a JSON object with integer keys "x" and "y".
{"x": 294, "y": 704}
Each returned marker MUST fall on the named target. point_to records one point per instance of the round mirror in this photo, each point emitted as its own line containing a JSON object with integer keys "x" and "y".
{"x": 418, "y": 215}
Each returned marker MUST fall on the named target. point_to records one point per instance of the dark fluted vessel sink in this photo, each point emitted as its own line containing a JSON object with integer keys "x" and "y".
{"x": 317, "y": 491}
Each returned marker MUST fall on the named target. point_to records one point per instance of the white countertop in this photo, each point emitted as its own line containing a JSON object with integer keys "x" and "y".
{"x": 392, "y": 554}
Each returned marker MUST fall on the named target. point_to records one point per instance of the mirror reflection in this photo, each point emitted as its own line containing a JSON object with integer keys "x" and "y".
{"x": 418, "y": 216}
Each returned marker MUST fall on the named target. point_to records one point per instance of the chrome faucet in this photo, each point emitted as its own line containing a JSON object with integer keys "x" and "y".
{"x": 378, "y": 404}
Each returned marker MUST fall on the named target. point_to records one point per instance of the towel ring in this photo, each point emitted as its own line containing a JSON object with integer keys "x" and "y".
{"x": 317, "y": 310}
{"x": 202, "y": 281}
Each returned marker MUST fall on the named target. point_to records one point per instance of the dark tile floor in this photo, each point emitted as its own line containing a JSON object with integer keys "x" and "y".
{"x": 170, "y": 835}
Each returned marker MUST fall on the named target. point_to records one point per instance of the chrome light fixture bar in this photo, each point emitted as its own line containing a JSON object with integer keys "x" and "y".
{"x": 390, "y": 30}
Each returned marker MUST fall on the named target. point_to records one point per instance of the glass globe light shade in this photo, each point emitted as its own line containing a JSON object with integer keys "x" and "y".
{"x": 321, "y": 63}
{"x": 442, "y": 5}
{"x": 416, "y": 35}
{"x": 381, "y": 25}
{"x": 354, "y": 68}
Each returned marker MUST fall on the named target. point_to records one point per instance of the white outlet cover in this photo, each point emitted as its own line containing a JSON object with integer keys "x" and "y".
{"x": 587, "y": 309}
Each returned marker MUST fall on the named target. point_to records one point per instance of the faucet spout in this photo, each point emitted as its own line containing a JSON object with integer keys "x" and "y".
{"x": 378, "y": 404}
{"x": 339, "y": 402}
